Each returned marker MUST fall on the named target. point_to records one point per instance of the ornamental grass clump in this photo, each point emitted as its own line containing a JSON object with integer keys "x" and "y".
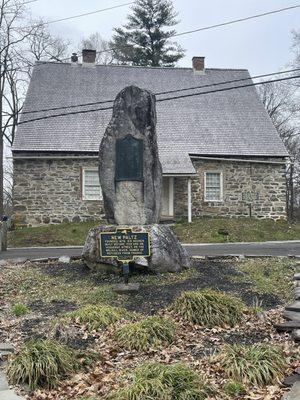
{"x": 19, "y": 309}
{"x": 208, "y": 308}
{"x": 155, "y": 381}
{"x": 147, "y": 333}
{"x": 258, "y": 364}
{"x": 97, "y": 316}
{"x": 41, "y": 363}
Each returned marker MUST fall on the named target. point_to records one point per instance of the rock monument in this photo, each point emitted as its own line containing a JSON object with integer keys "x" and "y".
{"x": 131, "y": 180}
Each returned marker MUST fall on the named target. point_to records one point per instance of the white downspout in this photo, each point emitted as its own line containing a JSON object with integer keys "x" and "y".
{"x": 189, "y": 200}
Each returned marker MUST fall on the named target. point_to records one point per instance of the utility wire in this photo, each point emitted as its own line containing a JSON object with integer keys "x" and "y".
{"x": 84, "y": 14}
{"x": 177, "y": 34}
{"x": 162, "y": 93}
{"x": 205, "y": 28}
{"x": 28, "y": 2}
{"x": 160, "y": 100}
{"x": 238, "y": 20}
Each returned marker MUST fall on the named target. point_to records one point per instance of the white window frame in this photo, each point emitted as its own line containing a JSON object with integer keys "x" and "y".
{"x": 84, "y": 170}
{"x": 221, "y": 187}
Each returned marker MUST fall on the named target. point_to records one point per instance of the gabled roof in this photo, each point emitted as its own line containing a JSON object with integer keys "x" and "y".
{"x": 229, "y": 123}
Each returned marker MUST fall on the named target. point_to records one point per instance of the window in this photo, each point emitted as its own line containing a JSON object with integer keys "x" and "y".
{"x": 213, "y": 186}
{"x": 91, "y": 185}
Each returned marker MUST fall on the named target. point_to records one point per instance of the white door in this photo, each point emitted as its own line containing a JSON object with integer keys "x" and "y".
{"x": 168, "y": 197}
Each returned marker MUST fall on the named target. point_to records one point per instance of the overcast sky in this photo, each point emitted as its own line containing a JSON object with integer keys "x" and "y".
{"x": 262, "y": 45}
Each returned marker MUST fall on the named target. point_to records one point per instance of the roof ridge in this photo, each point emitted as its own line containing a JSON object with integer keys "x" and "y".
{"x": 140, "y": 66}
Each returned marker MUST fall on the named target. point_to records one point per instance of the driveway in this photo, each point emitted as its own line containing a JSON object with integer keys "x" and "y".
{"x": 290, "y": 248}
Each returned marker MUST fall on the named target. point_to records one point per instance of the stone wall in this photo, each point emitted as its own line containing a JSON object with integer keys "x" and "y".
{"x": 49, "y": 191}
{"x": 262, "y": 185}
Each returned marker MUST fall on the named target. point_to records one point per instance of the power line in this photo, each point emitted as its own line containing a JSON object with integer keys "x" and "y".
{"x": 160, "y": 100}
{"x": 238, "y": 20}
{"x": 28, "y": 2}
{"x": 205, "y": 28}
{"x": 84, "y": 14}
{"x": 165, "y": 92}
{"x": 177, "y": 34}
{"x": 230, "y": 88}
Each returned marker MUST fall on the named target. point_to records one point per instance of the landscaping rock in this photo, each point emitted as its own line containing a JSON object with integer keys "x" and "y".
{"x": 294, "y": 394}
{"x": 291, "y": 315}
{"x": 132, "y": 201}
{"x": 13, "y": 261}
{"x": 130, "y": 288}
{"x": 287, "y": 326}
{"x": 167, "y": 254}
{"x": 6, "y": 349}
{"x": 3, "y": 381}
{"x": 9, "y": 395}
{"x": 293, "y": 307}
{"x": 64, "y": 259}
{"x": 296, "y": 335}
{"x": 297, "y": 294}
{"x": 297, "y": 277}
{"x": 291, "y": 380}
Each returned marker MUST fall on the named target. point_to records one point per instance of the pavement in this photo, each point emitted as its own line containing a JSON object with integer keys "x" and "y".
{"x": 286, "y": 248}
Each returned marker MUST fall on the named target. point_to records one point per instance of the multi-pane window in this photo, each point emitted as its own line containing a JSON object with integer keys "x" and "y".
{"x": 213, "y": 186}
{"x": 91, "y": 185}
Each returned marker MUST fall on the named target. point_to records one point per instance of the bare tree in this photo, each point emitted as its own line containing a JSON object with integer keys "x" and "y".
{"x": 96, "y": 42}
{"x": 12, "y": 34}
{"x": 22, "y": 42}
{"x": 280, "y": 102}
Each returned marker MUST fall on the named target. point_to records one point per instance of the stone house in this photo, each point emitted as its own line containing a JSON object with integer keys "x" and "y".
{"x": 220, "y": 153}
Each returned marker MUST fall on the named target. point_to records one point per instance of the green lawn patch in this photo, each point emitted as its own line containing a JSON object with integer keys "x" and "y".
{"x": 201, "y": 230}
{"x": 269, "y": 275}
{"x": 71, "y": 234}
{"x": 206, "y": 230}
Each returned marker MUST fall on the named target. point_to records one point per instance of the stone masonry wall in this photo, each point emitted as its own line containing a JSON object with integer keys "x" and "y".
{"x": 49, "y": 191}
{"x": 262, "y": 185}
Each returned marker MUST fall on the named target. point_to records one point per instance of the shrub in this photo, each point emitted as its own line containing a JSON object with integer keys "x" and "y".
{"x": 208, "y": 308}
{"x": 41, "y": 363}
{"x": 234, "y": 389}
{"x": 149, "y": 332}
{"x": 97, "y": 316}
{"x": 19, "y": 309}
{"x": 154, "y": 381}
{"x": 258, "y": 364}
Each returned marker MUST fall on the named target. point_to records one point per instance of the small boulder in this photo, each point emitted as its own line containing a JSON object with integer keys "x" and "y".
{"x": 167, "y": 253}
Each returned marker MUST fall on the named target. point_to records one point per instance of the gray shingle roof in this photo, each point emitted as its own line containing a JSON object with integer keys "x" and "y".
{"x": 230, "y": 123}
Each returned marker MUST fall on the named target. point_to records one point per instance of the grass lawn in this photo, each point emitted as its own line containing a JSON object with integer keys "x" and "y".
{"x": 202, "y": 230}
{"x": 71, "y": 234}
{"x": 40, "y": 300}
{"x": 205, "y": 230}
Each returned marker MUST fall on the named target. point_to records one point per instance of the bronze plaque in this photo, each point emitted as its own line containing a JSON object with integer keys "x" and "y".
{"x": 129, "y": 159}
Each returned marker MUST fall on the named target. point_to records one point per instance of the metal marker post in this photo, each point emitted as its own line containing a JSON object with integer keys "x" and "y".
{"x": 126, "y": 273}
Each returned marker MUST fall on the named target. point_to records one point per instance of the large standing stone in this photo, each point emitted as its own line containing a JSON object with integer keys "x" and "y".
{"x": 132, "y": 202}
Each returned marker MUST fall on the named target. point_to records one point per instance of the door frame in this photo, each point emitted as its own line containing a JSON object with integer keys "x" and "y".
{"x": 170, "y": 184}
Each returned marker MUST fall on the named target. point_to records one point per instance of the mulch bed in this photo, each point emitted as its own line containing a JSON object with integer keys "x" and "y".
{"x": 193, "y": 345}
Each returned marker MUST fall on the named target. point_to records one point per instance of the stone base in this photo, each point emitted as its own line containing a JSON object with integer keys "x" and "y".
{"x": 167, "y": 254}
{"x": 129, "y": 288}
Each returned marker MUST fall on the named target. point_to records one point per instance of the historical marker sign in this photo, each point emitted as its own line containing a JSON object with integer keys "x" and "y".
{"x": 124, "y": 245}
